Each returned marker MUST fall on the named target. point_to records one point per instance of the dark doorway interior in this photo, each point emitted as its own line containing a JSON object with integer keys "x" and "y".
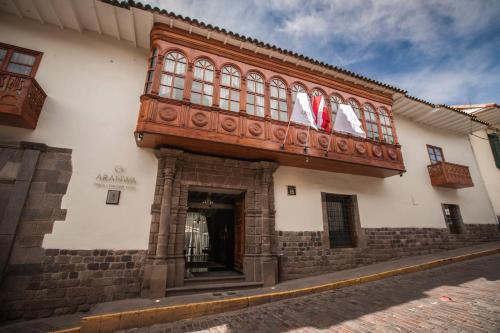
{"x": 210, "y": 241}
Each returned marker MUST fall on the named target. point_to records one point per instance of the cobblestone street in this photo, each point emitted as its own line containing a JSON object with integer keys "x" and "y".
{"x": 463, "y": 297}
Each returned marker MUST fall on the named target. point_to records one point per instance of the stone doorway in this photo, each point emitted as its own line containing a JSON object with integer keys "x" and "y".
{"x": 212, "y": 233}
{"x": 180, "y": 173}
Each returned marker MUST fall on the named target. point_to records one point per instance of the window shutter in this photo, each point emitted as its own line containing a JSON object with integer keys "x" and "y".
{"x": 495, "y": 147}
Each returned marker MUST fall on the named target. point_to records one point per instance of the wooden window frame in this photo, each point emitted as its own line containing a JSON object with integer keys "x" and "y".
{"x": 255, "y": 94}
{"x": 383, "y": 112}
{"x": 435, "y": 148}
{"x": 371, "y": 122}
{"x": 150, "y": 76}
{"x": 203, "y": 82}
{"x": 13, "y": 48}
{"x": 333, "y": 102}
{"x": 230, "y": 88}
{"x": 357, "y": 233}
{"x": 279, "y": 85}
{"x": 174, "y": 75}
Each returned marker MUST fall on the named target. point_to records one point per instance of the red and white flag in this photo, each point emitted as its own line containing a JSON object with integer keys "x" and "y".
{"x": 301, "y": 112}
{"x": 321, "y": 114}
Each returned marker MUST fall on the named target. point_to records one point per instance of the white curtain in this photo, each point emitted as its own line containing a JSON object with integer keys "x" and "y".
{"x": 196, "y": 236}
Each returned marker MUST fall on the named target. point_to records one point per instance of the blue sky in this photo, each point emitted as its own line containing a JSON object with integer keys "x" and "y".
{"x": 447, "y": 51}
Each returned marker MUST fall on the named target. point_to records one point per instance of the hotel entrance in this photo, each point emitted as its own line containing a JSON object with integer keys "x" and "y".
{"x": 214, "y": 234}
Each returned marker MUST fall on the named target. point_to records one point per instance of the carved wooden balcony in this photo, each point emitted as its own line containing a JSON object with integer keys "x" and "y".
{"x": 21, "y": 100}
{"x": 450, "y": 175}
{"x": 210, "y": 130}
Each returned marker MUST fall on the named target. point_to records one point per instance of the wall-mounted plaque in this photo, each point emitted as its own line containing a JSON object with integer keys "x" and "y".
{"x": 113, "y": 197}
{"x": 291, "y": 190}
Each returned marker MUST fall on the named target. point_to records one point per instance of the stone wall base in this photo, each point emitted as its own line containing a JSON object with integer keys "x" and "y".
{"x": 304, "y": 253}
{"x": 67, "y": 281}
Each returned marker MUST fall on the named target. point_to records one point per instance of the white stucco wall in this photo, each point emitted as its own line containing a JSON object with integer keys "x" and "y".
{"x": 408, "y": 201}
{"x": 487, "y": 167}
{"x": 93, "y": 84}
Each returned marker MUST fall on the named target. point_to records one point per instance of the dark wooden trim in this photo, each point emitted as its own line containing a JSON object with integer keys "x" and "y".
{"x": 11, "y": 48}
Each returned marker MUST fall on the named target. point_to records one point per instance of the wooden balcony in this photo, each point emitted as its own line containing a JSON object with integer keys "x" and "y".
{"x": 21, "y": 100}
{"x": 450, "y": 175}
{"x": 210, "y": 130}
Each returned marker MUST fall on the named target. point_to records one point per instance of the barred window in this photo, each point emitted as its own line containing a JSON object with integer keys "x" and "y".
{"x": 386, "y": 126}
{"x": 255, "y": 94}
{"x": 371, "y": 120}
{"x": 173, "y": 75}
{"x": 335, "y": 101}
{"x": 151, "y": 70}
{"x": 278, "y": 103}
{"x": 296, "y": 88}
{"x": 202, "y": 88}
{"x": 230, "y": 89}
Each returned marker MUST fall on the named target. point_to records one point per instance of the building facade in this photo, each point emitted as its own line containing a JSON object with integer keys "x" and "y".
{"x": 141, "y": 152}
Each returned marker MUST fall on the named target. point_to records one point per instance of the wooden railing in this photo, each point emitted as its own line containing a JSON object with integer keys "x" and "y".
{"x": 21, "y": 100}
{"x": 214, "y": 131}
{"x": 451, "y": 175}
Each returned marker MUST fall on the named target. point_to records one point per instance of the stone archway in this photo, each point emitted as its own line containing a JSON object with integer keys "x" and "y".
{"x": 177, "y": 172}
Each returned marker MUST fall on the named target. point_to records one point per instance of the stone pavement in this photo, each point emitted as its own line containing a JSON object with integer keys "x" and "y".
{"x": 60, "y": 322}
{"x": 461, "y": 297}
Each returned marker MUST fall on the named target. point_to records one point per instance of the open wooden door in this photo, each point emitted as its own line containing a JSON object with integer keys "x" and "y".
{"x": 239, "y": 234}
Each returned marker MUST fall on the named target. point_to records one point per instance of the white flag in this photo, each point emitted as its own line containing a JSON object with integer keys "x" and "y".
{"x": 347, "y": 121}
{"x": 302, "y": 113}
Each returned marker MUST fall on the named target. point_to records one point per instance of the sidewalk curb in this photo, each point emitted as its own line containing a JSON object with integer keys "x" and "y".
{"x": 147, "y": 317}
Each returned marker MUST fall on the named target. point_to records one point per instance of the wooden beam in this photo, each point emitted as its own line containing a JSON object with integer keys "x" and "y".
{"x": 75, "y": 17}
{"x": 16, "y": 8}
{"x": 99, "y": 27}
{"x": 53, "y": 9}
{"x": 134, "y": 32}
{"x": 115, "y": 21}
{"x": 37, "y": 12}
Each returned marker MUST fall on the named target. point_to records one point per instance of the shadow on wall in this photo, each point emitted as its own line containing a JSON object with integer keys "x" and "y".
{"x": 325, "y": 310}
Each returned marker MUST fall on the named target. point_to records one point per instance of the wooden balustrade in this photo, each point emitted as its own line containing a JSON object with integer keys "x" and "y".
{"x": 21, "y": 100}
{"x": 213, "y": 131}
{"x": 451, "y": 175}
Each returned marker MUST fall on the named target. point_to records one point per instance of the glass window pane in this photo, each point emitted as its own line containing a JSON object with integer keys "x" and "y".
{"x": 225, "y": 79}
{"x": 251, "y": 87}
{"x": 22, "y": 58}
{"x": 198, "y": 73}
{"x": 283, "y": 116}
{"x": 181, "y": 68}
{"x": 208, "y": 89}
{"x": 178, "y": 94}
{"x": 235, "y": 82}
{"x": 250, "y": 99}
{"x": 2, "y": 54}
{"x": 259, "y": 100}
{"x": 274, "y": 104}
{"x": 196, "y": 87}
{"x": 169, "y": 66}
{"x": 20, "y": 69}
{"x": 250, "y": 109}
{"x": 209, "y": 76}
{"x": 164, "y": 91}
{"x": 196, "y": 98}
{"x": 274, "y": 114}
{"x": 260, "y": 111}
{"x": 283, "y": 106}
{"x": 235, "y": 96}
{"x": 224, "y": 104}
{"x": 260, "y": 88}
{"x": 207, "y": 100}
{"x": 235, "y": 106}
{"x": 179, "y": 83}
{"x": 274, "y": 92}
{"x": 224, "y": 93}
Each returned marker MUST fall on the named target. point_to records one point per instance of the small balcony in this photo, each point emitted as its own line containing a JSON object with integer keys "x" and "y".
{"x": 211, "y": 130}
{"x": 21, "y": 100}
{"x": 450, "y": 175}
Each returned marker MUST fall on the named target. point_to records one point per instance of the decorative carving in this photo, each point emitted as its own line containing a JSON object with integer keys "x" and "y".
{"x": 255, "y": 129}
{"x": 228, "y": 124}
{"x": 450, "y": 175}
{"x": 323, "y": 141}
{"x": 377, "y": 151}
{"x": 302, "y": 137}
{"x": 360, "y": 148}
{"x": 279, "y": 133}
{"x": 167, "y": 114}
{"x": 342, "y": 144}
{"x": 392, "y": 154}
{"x": 199, "y": 119}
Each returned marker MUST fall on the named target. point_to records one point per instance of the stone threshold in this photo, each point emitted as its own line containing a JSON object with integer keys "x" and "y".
{"x": 137, "y": 312}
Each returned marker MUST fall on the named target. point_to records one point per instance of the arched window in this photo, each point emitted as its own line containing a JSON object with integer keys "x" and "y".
{"x": 278, "y": 103}
{"x": 255, "y": 94}
{"x": 172, "y": 77}
{"x": 385, "y": 123}
{"x": 355, "y": 107}
{"x": 371, "y": 122}
{"x": 296, "y": 88}
{"x": 317, "y": 92}
{"x": 335, "y": 101}
{"x": 151, "y": 70}
{"x": 230, "y": 89}
{"x": 202, "y": 88}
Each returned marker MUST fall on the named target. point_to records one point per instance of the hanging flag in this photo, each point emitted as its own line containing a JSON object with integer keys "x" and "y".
{"x": 301, "y": 112}
{"x": 347, "y": 121}
{"x": 321, "y": 113}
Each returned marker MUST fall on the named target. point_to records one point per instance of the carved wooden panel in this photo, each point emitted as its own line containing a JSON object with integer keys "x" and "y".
{"x": 451, "y": 175}
{"x": 228, "y": 124}
{"x": 255, "y": 129}
{"x": 199, "y": 119}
